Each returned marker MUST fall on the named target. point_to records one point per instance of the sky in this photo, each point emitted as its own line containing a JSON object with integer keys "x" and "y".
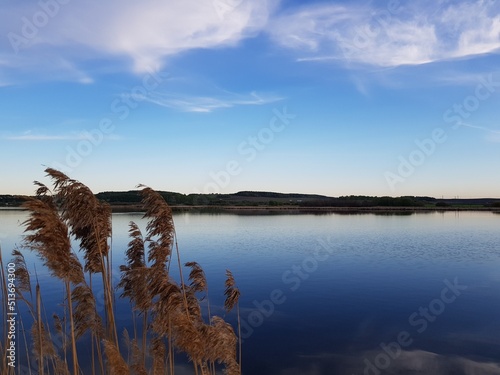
{"x": 218, "y": 96}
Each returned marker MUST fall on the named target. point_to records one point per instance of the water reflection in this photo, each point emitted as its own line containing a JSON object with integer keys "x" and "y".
{"x": 416, "y": 362}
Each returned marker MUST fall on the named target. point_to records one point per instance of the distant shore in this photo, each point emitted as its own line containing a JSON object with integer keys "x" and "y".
{"x": 303, "y": 210}
{"x": 265, "y": 202}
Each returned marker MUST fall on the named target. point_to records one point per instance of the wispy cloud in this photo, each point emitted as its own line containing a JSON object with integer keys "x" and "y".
{"x": 492, "y": 131}
{"x": 36, "y": 66}
{"x": 490, "y": 135}
{"x": 493, "y": 137}
{"x": 412, "y": 34}
{"x": 463, "y": 78}
{"x": 208, "y": 103}
{"x": 30, "y": 136}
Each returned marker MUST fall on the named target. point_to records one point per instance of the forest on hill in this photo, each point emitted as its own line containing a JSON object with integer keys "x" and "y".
{"x": 273, "y": 199}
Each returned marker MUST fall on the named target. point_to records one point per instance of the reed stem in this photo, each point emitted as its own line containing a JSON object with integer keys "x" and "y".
{"x": 72, "y": 327}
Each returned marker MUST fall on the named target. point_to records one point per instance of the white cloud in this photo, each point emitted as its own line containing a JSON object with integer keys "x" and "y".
{"x": 475, "y": 26}
{"x": 142, "y": 35}
{"x": 413, "y": 34}
{"x": 145, "y": 32}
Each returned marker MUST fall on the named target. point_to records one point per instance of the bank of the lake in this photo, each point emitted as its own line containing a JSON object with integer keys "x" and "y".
{"x": 306, "y": 210}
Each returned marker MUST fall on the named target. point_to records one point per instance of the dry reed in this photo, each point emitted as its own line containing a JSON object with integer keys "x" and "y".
{"x": 4, "y": 346}
{"x": 232, "y": 294}
{"x": 23, "y": 279}
{"x": 90, "y": 223}
{"x": 48, "y": 236}
{"x": 134, "y": 357}
{"x": 117, "y": 364}
{"x": 172, "y": 318}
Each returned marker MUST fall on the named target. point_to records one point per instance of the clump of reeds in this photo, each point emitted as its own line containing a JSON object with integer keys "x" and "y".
{"x": 4, "y": 344}
{"x": 174, "y": 307}
{"x": 169, "y": 310}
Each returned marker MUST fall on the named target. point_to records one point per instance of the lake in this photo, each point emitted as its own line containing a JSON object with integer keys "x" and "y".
{"x": 340, "y": 293}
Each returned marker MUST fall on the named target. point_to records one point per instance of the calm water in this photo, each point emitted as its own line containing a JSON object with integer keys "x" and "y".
{"x": 343, "y": 294}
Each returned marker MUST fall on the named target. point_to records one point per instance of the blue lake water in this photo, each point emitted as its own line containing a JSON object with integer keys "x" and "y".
{"x": 341, "y": 293}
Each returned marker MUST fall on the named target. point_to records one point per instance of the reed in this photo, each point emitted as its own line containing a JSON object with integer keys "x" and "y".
{"x": 117, "y": 364}
{"x": 168, "y": 311}
{"x": 48, "y": 236}
{"x": 232, "y": 294}
{"x": 90, "y": 223}
{"x": 6, "y": 369}
{"x": 133, "y": 282}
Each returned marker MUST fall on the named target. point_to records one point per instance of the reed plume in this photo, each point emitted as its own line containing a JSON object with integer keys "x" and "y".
{"x": 59, "y": 325}
{"x": 23, "y": 280}
{"x": 135, "y": 356}
{"x": 134, "y": 282}
{"x": 48, "y": 236}
{"x": 194, "y": 309}
{"x": 116, "y": 363}
{"x": 90, "y": 222}
{"x": 165, "y": 294}
{"x": 221, "y": 345}
{"x": 232, "y": 294}
{"x": 134, "y": 275}
{"x": 187, "y": 335}
{"x": 85, "y": 315}
{"x": 160, "y": 227}
{"x": 135, "y": 251}
{"x": 158, "y": 353}
{"x": 168, "y": 303}
{"x": 22, "y": 285}
{"x": 88, "y": 218}
{"x": 168, "y": 298}
{"x": 42, "y": 347}
{"x": 197, "y": 277}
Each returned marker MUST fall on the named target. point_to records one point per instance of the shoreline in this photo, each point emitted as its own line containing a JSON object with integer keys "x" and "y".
{"x": 303, "y": 210}
{"x": 292, "y": 209}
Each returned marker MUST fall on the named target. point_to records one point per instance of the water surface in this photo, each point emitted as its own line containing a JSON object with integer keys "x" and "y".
{"x": 324, "y": 294}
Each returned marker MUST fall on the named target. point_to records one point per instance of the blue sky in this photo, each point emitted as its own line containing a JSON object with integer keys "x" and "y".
{"x": 328, "y": 97}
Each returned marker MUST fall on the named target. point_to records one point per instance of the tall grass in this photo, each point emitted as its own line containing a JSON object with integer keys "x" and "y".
{"x": 166, "y": 313}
